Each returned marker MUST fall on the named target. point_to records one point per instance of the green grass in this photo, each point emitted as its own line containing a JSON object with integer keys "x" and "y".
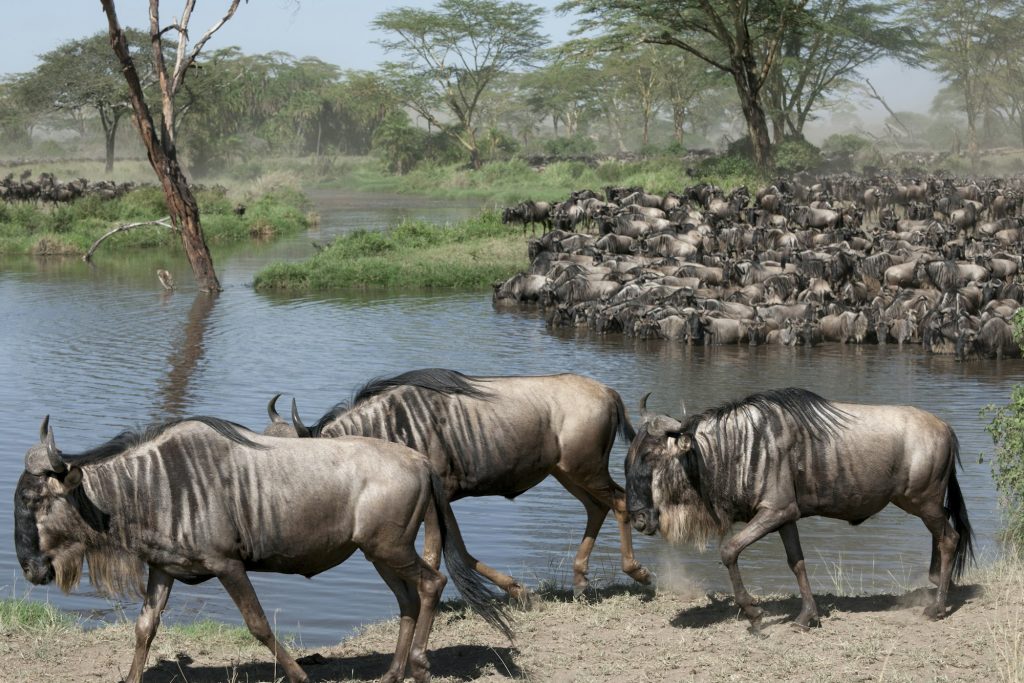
{"x": 20, "y": 615}
{"x": 471, "y": 254}
{"x": 212, "y": 633}
{"x": 508, "y": 182}
{"x": 72, "y": 228}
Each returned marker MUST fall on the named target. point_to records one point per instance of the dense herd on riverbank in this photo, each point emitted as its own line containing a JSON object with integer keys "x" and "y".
{"x": 932, "y": 261}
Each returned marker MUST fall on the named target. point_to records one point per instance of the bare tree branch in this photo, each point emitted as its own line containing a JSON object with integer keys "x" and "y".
{"x": 162, "y": 222}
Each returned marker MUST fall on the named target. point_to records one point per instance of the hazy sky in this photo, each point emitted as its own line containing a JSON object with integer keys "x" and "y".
{"x": 336, "y": 31}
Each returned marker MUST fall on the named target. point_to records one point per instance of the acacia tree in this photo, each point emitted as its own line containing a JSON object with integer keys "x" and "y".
{"x": 161, "y": 147}
{"x": 741, "y": 38}
{"x": 966, "y": 38}
{"x": 82, "y": 75}
{"x": 824, "y": 51}
{"x": 451, "y": 56}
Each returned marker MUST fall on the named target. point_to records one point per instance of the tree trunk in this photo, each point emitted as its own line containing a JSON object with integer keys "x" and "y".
{"x": 678, "y": 121}
{"x": 181, "y": 204}
{"x": 109, "y": 133}
{"x": 757, "y": 124}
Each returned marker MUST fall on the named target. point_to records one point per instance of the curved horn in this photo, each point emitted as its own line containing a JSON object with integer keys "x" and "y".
{"x": 683, "y": 402}
{"x": 45, "y": 458}
{"x": 272, "y": 411}
{"x": 300, "y": 429}
{"x": 643, "y": 407}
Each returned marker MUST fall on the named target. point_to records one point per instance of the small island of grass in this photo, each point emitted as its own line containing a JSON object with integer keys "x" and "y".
{"x": 471, "y": 254}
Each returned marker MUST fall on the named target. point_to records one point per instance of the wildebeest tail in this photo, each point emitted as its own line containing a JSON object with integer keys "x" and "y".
{"x": 957, "y": 511}
{"x": 625, "y": 427}
{"x": 456, "y": 559}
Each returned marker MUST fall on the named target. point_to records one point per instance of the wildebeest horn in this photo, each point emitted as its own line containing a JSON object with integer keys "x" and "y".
{"x": 300, "y": 429}
{"x": 38, "y": 461}
{"x": 643, "y": 407}
{"x": 272, "y": 410}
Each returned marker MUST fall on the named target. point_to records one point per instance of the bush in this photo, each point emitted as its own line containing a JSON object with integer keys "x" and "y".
{"x": 1007, "y": 431}
{"x": 572, "y": 146}
{"x": 844, "y": 143}
{"x": 792, "y": 156}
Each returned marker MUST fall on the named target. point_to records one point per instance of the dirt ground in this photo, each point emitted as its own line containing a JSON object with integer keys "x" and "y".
{"x": 618, "y": 634}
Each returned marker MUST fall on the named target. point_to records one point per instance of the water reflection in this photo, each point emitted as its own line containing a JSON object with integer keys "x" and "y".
{"x": 184, "y": 357}
{"x": 101, "y": 350}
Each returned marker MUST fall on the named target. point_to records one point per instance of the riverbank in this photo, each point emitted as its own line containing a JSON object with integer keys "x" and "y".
{"x": 471, "y": 254}
{"x": 674, "y": 633}
{"x": 72, "y": 227}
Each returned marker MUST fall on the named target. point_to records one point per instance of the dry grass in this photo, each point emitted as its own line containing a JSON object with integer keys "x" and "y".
{"x": 675, "y": 632}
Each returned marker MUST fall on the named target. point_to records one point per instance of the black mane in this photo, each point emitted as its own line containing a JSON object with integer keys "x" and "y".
{"x": 130, "y": 438}
{"x": 813, "y": 414}
{"x": 440, "y": 380}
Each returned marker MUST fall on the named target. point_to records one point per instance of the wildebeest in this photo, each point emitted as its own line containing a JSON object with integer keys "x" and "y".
{"x": 774, "y": 457}
{"x": 201, "y": 498}
{"x": 488, "y": 436}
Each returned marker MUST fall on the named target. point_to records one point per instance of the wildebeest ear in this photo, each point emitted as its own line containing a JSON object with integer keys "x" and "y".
{"x": 72, "y": 479}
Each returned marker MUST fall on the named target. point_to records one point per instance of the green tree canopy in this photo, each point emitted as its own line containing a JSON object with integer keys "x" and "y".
{"x": 83, "y": 76}
{"x": 451, "y": 55}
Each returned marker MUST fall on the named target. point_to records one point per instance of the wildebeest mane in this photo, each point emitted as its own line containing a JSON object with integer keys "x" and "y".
{"x": 130, "y": 438}
{"x": 814, "y": 415}
{"x": 433, "y": 379}
{"x": 441, "y": 380}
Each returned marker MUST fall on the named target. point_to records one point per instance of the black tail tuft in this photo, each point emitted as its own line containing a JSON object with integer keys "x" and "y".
{"x": 470, "y": 585}
{"x": 957, "y": 511}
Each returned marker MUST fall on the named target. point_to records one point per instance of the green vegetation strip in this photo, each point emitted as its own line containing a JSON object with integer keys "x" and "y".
{"x": 471, "y": 254}
{"x": 510, "y": 182}
{"x": 29, "y": 228}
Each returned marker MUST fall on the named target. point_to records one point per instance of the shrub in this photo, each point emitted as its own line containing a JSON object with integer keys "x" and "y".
{"x": 572, "y": 146}
{"x": 1007, "y": 431}
{"x": 792, "y": 156}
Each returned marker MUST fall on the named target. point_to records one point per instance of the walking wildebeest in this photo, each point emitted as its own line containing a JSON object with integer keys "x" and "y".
{"x": 498, "y": 436}
{"x": 201, "y": 498}
{"x": 774, "y": 457}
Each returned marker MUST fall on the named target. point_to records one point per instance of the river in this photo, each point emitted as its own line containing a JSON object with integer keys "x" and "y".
{"x": 102, "y": 348}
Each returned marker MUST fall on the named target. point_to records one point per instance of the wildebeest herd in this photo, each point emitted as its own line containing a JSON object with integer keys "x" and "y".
{"x": 47, "y": 189}
{"x": 933, "y": 261}
{"x": 200, "y": 498}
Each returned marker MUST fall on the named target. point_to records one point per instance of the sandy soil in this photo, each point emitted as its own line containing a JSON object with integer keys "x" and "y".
{"x": 618, "y": 634}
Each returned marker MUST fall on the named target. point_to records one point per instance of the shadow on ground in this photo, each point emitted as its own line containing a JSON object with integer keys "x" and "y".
{"x": 721, "y": 607}
{"x": 465, "y": 663}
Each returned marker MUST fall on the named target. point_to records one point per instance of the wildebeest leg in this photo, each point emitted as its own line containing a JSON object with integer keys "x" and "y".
{"x": 945, "y": 537}
{"x": 158, "y": 589}
{"x": 610, "y": 496}
{"x": 795, "y": 555}
{"x": 236, "y": 583}
{"x": 763, "y": 523}
{"x": 503, "y": 581}
{"x": 417, "y": 587}
{"x": 596, "y": 513}
{"x": 431, "y": 538}
{"x": 933, "y": 566}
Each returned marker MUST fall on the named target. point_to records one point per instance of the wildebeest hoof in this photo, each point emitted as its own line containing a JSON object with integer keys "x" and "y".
{"x": 932, "y": 612}
{"x": 522, "y": 598}
{"x": 641, "y": 575}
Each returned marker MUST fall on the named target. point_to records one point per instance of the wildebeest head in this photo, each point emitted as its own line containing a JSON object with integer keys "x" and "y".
{"x": 660, "y": 477}
{"x": 40, "y": 502}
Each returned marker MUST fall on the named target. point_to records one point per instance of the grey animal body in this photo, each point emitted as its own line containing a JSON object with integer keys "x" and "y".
{"x": 774, "y": 457}
{"x": 488, "y": 436}
{"x": 203, "y": 498}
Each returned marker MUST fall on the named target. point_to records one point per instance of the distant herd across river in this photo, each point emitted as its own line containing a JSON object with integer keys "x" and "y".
{"x": 806, "y": 260}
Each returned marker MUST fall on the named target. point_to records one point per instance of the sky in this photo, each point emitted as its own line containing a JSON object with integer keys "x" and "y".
{"x": 336, "y": 31}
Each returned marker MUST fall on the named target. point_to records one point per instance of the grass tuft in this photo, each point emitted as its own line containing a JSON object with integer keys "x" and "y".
{"x": 20, "y": 615}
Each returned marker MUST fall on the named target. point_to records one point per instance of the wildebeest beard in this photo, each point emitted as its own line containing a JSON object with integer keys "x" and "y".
{"x": 112, "y": 571}
{"x": 684, "y": 516}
